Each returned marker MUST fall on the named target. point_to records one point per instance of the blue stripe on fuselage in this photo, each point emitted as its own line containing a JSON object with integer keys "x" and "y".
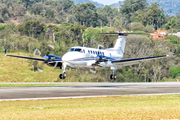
{"x": 92, "y": 58}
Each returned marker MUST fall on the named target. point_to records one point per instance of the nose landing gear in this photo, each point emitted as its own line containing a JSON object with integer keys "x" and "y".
{"x": 63, "y": 75}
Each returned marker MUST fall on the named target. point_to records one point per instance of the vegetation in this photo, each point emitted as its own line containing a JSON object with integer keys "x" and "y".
{"x": 27, "y": 25}
{"x": 120, "y": 107}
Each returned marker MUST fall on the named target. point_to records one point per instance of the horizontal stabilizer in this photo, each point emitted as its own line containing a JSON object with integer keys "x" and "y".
{"x": 124, "y": 34}
{"x": 133, "y": 61}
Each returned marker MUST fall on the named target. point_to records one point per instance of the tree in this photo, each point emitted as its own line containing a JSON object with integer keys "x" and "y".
{"x": 66, "y": 4}
{"x": 155, "y": 16}
{"x": 38, "y": 9}
{"x": 140, "y": 16}
{"x": 86, "y": 14}
{"x": 49, "y": 13}
{"x": 131, "y": 6}
{"x": 171, "y": 24}
{"x": 29, "y": 3}
{"x": 31, "y": 28}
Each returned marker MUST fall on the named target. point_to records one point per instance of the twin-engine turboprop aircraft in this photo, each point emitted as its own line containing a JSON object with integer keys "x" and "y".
{"x": 93, "y": 58}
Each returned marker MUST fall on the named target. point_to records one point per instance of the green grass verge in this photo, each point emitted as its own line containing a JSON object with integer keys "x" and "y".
{"x": 155, "y": 107}
{"x": 24, "y": 85}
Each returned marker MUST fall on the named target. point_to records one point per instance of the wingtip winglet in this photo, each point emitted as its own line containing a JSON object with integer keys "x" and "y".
{"x": 5, "y": 52}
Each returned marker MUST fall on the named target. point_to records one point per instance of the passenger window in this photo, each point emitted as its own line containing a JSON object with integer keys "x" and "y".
{"x": 91, "y": 52}
{"x": 103, "y": 53}
{"x": 83, "y": 51}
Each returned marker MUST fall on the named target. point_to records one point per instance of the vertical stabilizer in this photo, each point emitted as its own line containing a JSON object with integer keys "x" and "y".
{"x": 120, "y": 44}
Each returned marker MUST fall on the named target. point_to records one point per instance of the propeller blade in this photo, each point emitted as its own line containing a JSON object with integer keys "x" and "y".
{"x": 51, "y": 46}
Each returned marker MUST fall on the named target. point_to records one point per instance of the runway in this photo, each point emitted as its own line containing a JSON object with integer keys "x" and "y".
{"x": 76, "y": 90}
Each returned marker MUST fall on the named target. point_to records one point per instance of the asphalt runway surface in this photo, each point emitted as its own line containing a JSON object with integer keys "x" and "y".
{"x": 75, "y": 90}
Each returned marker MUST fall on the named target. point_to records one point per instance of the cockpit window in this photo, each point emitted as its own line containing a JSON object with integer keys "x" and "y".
{"x": 72, "y": 49}
{"x": 75, "y": 49}
{"x": 78, "y": 49}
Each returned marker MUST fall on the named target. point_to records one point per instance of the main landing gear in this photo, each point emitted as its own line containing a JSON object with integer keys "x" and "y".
{"x": 113, "y": 76}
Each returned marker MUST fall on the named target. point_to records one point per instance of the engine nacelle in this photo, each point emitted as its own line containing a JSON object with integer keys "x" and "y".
{"x": 100, "y": 58}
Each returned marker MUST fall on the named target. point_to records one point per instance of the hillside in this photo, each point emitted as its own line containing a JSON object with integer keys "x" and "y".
{"x": 171, "y": 7}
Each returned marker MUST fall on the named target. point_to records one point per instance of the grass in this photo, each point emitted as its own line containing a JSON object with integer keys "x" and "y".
{"x": 21, "y": 70}
{"x": 109, "y": 108}
{"x": 21, "y": 85}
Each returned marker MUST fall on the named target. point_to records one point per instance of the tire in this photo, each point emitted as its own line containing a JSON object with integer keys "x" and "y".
{"x": 115, "y": 77}
{"x": 64, "y": 75}
{"x": 111, "y": 76}
{"x": 60, "y": 76}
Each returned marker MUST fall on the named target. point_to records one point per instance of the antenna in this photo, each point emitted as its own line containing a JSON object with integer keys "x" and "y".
{"x": 100, "y": 46}
{"x": 118, "y": 6}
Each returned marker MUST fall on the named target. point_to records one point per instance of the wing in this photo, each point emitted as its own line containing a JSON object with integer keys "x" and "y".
{"x": 48, "y": 59}
{"x": 25, "y": 57}
{"x": 133, "y": 61}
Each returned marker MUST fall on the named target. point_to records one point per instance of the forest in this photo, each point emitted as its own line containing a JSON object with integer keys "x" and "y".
{"x": 26, "y": 25}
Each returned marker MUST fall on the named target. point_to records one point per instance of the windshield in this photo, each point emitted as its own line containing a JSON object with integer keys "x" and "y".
{"x": 72, "y": 49}
{"x": 75, "y": 49}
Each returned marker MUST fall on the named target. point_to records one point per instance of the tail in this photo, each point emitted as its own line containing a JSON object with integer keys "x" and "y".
{"x": 120, "y": 44}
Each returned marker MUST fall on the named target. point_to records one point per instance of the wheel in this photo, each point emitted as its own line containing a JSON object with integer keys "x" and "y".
{"x": 111, "y": 76}
{"x": 114, "y": 77}
{"x": 60, "y": 76}
{"x": 64, "y": 75}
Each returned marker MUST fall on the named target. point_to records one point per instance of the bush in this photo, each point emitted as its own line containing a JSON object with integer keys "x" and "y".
{"x": 175, "y": 71}
{"x": 136, "y": 26}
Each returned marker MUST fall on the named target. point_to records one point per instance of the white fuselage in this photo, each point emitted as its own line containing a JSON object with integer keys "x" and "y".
{"x": 85, "y": 57}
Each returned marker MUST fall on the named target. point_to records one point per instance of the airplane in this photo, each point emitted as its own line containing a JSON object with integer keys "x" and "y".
{"x": 93, "y": 58}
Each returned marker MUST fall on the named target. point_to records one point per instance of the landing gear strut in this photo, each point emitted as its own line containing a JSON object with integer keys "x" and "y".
{"x": 63, "y": 75}
{"x": 113, "y": 76}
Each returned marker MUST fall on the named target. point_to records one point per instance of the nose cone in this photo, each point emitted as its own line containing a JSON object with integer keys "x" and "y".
{"x": 66, "y": 57}
{"x": 72, "y": 56}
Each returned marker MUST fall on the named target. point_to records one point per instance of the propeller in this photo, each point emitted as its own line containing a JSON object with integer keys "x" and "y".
{"x": 46, "y": 56}
{"x": 99, "y": 56}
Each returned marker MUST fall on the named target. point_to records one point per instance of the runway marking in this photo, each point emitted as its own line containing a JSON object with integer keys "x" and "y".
{"x": 73, "y": 97}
